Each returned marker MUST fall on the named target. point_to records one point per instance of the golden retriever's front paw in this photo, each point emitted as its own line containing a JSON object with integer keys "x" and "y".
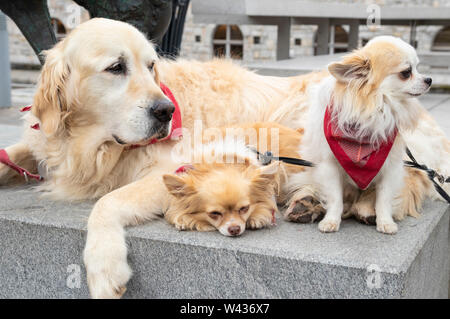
{"x": 387, "y": 227}
{"x": 106, "y": 276}
{"x": 328, "y": 225}
{"x": 4, "y": 170}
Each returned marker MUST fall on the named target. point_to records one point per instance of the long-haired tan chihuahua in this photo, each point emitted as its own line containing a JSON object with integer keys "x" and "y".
{"x": 233, "y": 195}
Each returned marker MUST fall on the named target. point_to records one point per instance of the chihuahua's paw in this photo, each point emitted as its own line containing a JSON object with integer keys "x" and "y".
{"x": 364, "y": 214}
{"x": 328, "y": 225}
{"x": 305, "y": 210}
{"x": 387, "y": 227}
{"x": 181, "y": 227}
{"x": 106, "y": 277}
{"x": 258, "y": 223}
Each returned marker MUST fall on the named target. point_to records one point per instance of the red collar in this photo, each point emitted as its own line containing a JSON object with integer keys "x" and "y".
{"x": 175, "y": 133}
{"x": 359, "y": 158}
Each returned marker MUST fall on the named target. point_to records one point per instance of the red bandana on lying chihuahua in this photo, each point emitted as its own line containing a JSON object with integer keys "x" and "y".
{"x": 355, "y": 126}
{"x": 231, "y": 196}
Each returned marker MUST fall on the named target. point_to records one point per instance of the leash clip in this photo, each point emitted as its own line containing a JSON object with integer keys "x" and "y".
{"x": 266, "y": 158}
{"x": 26, "y": 177}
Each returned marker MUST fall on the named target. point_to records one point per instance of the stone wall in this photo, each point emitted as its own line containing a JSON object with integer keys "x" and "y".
{"x": 198, "y": 38}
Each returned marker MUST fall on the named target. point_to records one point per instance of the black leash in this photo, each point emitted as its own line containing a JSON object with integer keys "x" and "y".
{"x": 268, "y": 157}
{"x": 432, "y": 174}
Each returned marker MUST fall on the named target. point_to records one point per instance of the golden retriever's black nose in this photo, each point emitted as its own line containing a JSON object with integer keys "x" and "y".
{"x": 162, "y": 110}
{"x": 428, "y": 81}
{"x": 234, "y": 230}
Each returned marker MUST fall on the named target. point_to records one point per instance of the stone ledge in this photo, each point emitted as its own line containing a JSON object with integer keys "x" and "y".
{"x": 39, "y": 239}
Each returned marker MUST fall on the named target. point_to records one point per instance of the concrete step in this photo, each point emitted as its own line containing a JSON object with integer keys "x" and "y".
{"x": 41, "y": 245}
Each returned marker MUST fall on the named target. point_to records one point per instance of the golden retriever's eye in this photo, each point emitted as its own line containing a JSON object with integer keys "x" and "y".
{"x": 215, "y": 214}
{"x": 151, "y": 66}
{"x": 406, "y": 74}
{"x": 117, "y": 68}
{"x": 244, "y": 209}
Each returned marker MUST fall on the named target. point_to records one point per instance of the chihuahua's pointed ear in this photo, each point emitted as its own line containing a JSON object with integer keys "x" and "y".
{"x": 50, "y": 104}
{"x": 266, "y": 178}
{"x": 177, "y": 186}
{"x": 269, "y": 171}
{"x": 354, "y": 66}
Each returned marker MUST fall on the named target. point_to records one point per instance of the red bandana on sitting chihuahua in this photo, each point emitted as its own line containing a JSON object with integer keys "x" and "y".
{"x": 355, "y": 126}
{"x": 232, "y": 196}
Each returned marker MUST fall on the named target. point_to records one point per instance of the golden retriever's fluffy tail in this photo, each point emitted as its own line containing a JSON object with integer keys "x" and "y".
{"x": 430, "y": 146}
{"x": 417, "y": 186}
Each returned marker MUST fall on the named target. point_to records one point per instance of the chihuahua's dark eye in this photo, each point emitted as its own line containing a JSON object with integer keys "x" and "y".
{"x": 117, "y": 68}
{"x": 215, "y": 214}
{"x": 406, "y": 74}
{"x": 244, "y": 209}
{"x": 151, "y": 66}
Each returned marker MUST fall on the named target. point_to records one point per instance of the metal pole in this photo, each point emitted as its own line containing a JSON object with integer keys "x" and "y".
{"x": 5, "y": 76}
{"x": 331, "y": 41}
{"x": 413, "y": 34}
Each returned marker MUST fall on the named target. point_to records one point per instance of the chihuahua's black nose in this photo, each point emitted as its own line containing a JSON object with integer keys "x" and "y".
{"x": 162, "y": 110}
{"x": 428, "y": 81}
{"x": 234, "y": 230}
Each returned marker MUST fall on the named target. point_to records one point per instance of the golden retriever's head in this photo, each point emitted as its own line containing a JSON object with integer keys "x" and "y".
{"x": 103, "y": 75}
{"x": 226, "y": 197}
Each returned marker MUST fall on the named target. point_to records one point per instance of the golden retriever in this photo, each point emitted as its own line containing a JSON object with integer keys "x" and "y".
{"x": 97, "y": 95}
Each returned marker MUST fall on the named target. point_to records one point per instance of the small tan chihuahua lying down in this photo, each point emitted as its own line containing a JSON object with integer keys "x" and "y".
{"x": 233, "y": 190}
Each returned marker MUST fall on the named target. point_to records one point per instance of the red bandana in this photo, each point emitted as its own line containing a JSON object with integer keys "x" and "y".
{"x": 359, "y": 158}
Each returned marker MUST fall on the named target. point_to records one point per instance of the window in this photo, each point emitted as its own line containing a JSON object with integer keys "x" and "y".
{"x": 340, "y": 40}
{"x": 298, "y": 41}
{"x": 228, "y": 42}
{"x": 442, "y": 40}
{"x": 198, "y": 38}
{"x": 256, "y": 40}
{"x": 58, "y": 28}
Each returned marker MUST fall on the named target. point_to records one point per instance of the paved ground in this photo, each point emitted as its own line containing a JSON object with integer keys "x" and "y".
{"x": 307, "y": 64}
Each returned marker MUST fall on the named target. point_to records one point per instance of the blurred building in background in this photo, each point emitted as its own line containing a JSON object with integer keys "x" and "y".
{"x": 248, "y": 43}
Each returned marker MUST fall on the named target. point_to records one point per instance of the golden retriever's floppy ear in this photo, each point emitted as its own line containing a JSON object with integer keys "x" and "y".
{"x": 50, "y": 102}
{"x": 177, "y": 186}
{"x": 354, "y": 66}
